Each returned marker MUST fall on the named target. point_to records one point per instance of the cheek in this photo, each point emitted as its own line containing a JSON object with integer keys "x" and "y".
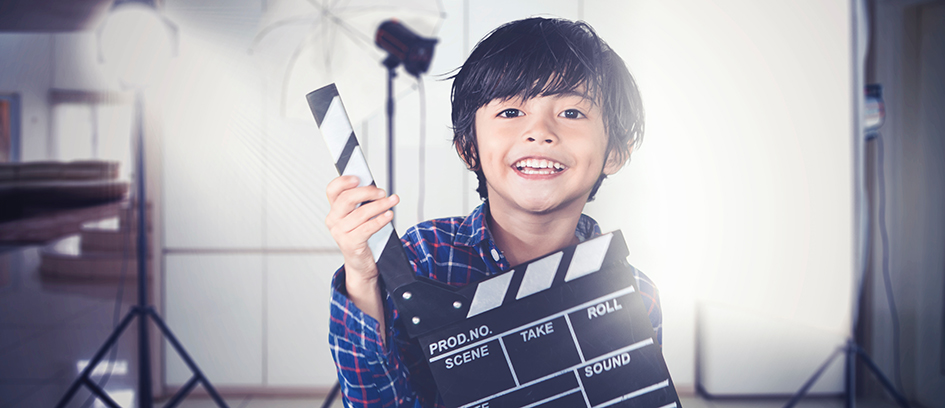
{"x": 489, "y": 139}
{"x": 596, "y": 149}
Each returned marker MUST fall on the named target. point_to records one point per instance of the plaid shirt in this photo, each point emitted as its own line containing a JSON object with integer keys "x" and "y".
{"x": 456, "y": 251}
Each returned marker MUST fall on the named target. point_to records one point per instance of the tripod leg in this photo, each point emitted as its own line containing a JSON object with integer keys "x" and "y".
{"x": 331, "y": 395}
{"x": 850, "y": 377}
{"x": 87, "y": 372}
{"x": 145, "y": 397}
{"x": 100, "y": 393}
{"x": 182, "y": 393}
{"x": 186, "y": 357}
{"x": 900, "y": 399}
{"x": 810, "y": 382}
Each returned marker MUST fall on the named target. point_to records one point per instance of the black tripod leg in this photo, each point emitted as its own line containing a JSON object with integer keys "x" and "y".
{"x": 186, "y": 357}
{"x": 87, "y": 372}
{"x": 331, "y": 395}
{"x": 900, "y": 399}
{"x": 850, "y": 377}
{"x": 810, "y": 382}
{"x": 212, "y": 391}
{"x": 182, "y": 393}
{"x": 100, "y": 393}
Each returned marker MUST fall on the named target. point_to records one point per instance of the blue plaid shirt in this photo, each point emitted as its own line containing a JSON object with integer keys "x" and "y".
{"x": 456, "y": 251}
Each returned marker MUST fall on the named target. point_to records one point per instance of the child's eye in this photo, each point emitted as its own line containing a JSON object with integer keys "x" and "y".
{"x": 510, "y": 113}
{"x": 572, "y": 114}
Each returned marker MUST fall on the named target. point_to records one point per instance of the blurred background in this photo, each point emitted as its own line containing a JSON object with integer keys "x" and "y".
{"x": 758, "y": 202}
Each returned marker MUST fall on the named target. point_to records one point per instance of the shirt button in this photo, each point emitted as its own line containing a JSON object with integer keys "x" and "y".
{"x": 495, "y": 255}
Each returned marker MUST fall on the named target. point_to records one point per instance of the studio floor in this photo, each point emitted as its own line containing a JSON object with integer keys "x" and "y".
{"x": 47, "y": 327}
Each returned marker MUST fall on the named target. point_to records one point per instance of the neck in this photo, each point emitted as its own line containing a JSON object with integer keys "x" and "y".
{"x": 523, "y": 236}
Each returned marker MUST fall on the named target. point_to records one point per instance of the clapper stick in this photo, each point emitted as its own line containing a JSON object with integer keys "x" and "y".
{"x": 568, "y": 329}
{"x": 425, "y": 303}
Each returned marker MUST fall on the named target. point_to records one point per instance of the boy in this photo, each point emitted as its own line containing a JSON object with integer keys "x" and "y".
{"x": 543, "y": 111}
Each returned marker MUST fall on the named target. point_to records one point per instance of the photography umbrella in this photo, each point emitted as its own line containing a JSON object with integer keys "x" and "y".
{"x": 333, "y": 41}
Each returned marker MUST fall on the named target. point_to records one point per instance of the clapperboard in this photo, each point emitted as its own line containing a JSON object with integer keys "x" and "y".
{"x": 565, "y": 330}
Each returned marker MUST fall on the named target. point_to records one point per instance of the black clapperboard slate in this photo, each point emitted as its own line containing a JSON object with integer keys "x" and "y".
{"x": 565, "y": 330}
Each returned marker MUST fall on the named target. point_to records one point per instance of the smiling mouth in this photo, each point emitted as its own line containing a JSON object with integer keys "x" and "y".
{"x": 538, "y": 166}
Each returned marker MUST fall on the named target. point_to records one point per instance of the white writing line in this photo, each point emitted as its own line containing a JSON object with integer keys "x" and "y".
{"x": 621, "y": 292}
{"x": 574, "y": 337}
{"x": 634, "y": 346}
{"x": 583, "y": 392}
{"x": 642, "y": 343}
{"x": 509, "y": 362}
{"x": 637, "y": 393}
{"x": 552, "y": 398}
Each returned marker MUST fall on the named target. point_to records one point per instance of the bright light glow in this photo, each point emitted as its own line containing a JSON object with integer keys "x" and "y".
{"x": 119, "y": 368}
{"x": 136, "y": 44}
{"x": 741, "y": 195}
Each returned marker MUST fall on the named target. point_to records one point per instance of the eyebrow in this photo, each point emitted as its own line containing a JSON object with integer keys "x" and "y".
{"x": 571, "y": 92}
{"x": 555, "y": 94}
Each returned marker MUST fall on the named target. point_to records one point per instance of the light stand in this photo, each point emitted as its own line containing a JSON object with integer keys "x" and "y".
{"x": 143, "y": 311}
{"x": 416, "y": 53}
{"x": 851, "y": 351}
{"x": 391, "y": 62}
{"x": 874, "y": 117}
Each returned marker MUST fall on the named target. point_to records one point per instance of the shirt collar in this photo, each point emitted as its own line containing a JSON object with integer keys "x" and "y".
{"x": 587, "y": 228}
{"x": 474, "y": 229}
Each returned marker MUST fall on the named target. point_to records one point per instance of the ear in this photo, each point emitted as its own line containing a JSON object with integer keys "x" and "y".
{"x": 616, "y": 161}
{"x": 470, "y": 162}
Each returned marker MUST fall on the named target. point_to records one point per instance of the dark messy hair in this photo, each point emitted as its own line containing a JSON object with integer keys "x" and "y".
{"x": 537, "y": 57}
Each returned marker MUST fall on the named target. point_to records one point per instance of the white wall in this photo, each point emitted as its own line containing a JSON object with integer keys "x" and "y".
{"x": 740, "y": 197}
{"x": 26, "y": 68}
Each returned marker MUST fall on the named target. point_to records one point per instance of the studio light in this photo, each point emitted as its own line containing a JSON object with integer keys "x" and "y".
{"x": 136, "y": 42}
{"x": 414, "y": 51}
{"x": 403, "y": 46}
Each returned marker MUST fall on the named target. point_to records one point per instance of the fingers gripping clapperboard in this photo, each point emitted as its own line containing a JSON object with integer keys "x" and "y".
{"x": 565, "y": 330}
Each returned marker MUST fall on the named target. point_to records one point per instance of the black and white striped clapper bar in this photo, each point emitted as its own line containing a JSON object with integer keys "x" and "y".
{"x": 566, "y": 330}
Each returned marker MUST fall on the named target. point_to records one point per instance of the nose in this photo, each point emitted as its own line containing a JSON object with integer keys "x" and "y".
{"x": 542, "y": 131}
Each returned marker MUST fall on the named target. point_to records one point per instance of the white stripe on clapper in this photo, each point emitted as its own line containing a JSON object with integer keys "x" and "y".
{"x": 539, "y": 275}
{"x": 489, "y": 294}
{"x": 357, "y": 166}
{"x": 588, "y": 257}
{"x": 335, "y": 128}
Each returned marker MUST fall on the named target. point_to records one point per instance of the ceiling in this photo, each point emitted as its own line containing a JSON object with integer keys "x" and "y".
{"x": 51, "y": 15}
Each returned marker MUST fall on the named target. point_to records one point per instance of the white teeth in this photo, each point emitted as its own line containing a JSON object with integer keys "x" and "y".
{"x": 527, "y": 170}
{"x": 538, "y": 166}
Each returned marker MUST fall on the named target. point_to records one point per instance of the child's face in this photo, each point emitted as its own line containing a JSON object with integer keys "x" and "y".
{"x": 542, "y": 154}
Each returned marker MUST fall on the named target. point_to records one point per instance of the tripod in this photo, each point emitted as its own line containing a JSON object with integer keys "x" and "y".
{"x": 851, "y": 350}
{"x": 143, "y": 311}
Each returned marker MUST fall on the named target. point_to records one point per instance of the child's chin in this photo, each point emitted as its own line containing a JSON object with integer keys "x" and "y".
{"x": 539, "y": 206}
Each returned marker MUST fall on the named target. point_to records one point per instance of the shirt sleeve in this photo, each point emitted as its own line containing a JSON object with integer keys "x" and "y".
{"x": 370, "y": 373}
{"x": 651, "y": 300}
